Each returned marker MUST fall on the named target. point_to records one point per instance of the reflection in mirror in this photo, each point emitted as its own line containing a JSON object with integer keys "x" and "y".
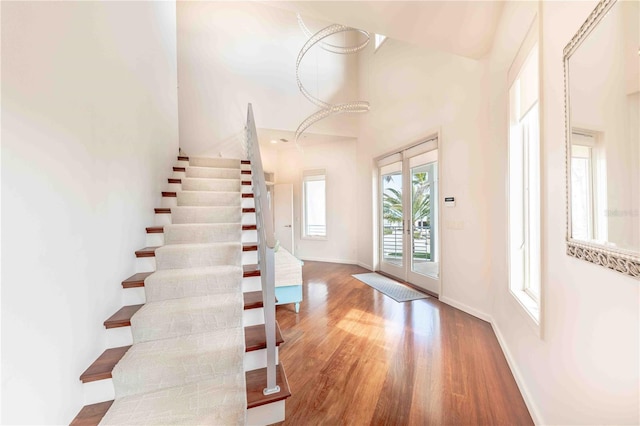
{"x": 603, "y": 99}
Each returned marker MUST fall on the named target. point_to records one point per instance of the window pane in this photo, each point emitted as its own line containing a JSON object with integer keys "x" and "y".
{"x": 392, "y": 216}
{"x": 580, "y": 198}
{"x": 315, "y": 206}
{"x": 424, "y": 211}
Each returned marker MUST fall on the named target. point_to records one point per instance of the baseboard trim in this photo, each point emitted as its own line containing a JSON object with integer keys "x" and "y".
{"x": 319, "y": 259}
{"x": 465, "y": 308}
{"x": 524, "y": 391}
{"x": 365, "y": 266}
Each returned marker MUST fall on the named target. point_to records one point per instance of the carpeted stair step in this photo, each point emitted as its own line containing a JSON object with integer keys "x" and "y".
{"x": 102, "y": 368}
{"x": 179, "y": 180}
{"x": 184, "y": 256}
{"x": 165, "y": 363}
{"x": 163, "y": 214}
{"x": 122, "y": 318}
{"x": 160, "y": 229}
{"x": 188, "y": 315}
{"x": 199, "y": 214}
{"x": 151, "y": 251}
{"x": 209, "y": 198}
{"x": 255, "y": 338}
{"x": 202, "y": 233}
{"x": 212, "y": 173}
{"x": 176, "y": 283}
{"x": 140, "y": 409}
{"x": 167, "y": 210}
{"x": 138, "y": 279}
{"x": 209, "y": 184}
{"x": 210, "y": 402}
{"x": 135, "y": 296}
{"x": 225, "y": 163}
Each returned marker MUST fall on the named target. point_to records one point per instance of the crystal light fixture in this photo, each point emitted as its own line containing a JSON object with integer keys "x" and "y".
{"x": 327, "y": 109}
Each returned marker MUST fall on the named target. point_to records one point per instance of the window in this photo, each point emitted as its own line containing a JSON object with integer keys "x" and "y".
{"x": 582, "y": 226}
{"x": 524, "y": 184}
{"x": 314, "y": 204}
{"x": 378, "y": 40}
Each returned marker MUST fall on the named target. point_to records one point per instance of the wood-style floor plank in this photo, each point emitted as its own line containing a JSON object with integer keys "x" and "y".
{"x": 357, "y": 357}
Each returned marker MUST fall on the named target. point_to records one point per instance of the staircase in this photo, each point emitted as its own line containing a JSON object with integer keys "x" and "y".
{"x": 190, "y": 344}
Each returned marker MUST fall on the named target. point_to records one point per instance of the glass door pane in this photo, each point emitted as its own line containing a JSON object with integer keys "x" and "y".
{"x": 392, "y": 214}
{"x": 424, "y": 218}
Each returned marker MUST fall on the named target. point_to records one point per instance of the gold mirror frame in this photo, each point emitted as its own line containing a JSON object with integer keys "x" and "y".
{"x": 624, "y": 261}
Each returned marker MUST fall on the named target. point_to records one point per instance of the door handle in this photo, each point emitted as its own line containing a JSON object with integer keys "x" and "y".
{"x": 287, "y": 226}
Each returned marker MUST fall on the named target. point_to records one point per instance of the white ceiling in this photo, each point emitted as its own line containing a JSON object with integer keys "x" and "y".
{"x": 464, "y": 28}
{"x": 265, "y": 136}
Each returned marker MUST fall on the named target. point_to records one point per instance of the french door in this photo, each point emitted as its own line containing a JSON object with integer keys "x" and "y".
{"x": 409, "y": 216}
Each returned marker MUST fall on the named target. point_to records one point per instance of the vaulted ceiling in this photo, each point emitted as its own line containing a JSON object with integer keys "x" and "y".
{"x": 464, "y": 28}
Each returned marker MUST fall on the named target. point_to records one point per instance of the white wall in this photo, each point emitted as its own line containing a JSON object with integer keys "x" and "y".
{"x": 585, "y": 369}
{"x": 338, "y": 159}
{"x": 233, "y": 53}
{"x": 89, "y": 132}
{"x": 414, "y": 91}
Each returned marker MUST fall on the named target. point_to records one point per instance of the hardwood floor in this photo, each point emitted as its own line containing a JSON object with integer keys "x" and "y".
{"x": 357, "y": 357}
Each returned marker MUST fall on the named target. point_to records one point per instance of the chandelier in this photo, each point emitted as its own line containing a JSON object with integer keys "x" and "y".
{"x": 327, "y": 109}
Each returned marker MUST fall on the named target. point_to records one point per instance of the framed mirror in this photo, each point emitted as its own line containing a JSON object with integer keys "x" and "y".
{"x": 602, "y": 100}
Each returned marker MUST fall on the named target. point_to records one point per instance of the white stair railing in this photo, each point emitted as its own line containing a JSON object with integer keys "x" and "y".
{"x": 266, "y": 245}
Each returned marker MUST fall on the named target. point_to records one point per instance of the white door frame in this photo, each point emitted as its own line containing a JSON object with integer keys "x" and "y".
{"x": 283, "y": 215}
{"x": 404, "y": 272}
